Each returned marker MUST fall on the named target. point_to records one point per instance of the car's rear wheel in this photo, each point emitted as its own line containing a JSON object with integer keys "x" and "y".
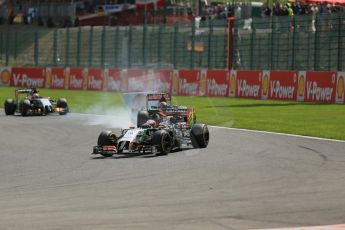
{"x": 107, "y": 138}
{"x": 25, "y": 107}
{"x": 163, "y": 141}
{"x": 199, "y": 136}
{"x": 62, "y": 103}
{"x": 10, "y": 107}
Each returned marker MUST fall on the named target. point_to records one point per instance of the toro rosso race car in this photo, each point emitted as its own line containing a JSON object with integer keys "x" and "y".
{"x": 160, "y": 130}
{"x": 33, "y": 104}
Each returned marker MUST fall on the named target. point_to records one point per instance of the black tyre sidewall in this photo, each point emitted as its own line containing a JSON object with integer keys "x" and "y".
{"x": 199, "y": 136}
{"x": 158, "y": 138}
{"x": 10, "y": 107}
{"x": 62, "y": 103}
{"x": 25, "y": 107}
{"x": 107, "y": 138}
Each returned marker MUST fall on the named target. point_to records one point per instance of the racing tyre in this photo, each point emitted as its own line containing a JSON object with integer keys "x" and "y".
{"x": 25, "y": 107}
{"x": 142, "y": 117}
{"x": 199, "y": 136}
{"x": 10, "y": 107}
{"x": 164, "y": 142}
{"x": 62, "y": 103}
{"x": 107, "y": 138}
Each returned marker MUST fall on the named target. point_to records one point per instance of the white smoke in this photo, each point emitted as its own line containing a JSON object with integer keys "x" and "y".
{"x": 110, "y": 118}
{"x": 123, "y": 116}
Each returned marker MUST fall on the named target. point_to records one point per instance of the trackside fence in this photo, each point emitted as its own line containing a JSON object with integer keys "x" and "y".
{"x": 302, "y": 42}
{"x": 181, "y": 45}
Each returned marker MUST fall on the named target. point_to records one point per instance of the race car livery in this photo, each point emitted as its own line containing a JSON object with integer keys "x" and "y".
{"x": 159, "y": 131}
{"x": 33, "y": 104}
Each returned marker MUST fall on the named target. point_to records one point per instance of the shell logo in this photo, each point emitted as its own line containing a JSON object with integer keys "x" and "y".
{"x": 124, "y": 80}
{"x": 232, "y": 83}
{"x": 203, "y": 83}
{"x": 85, "y": 78}
{"x": 301, "y": 84}
{"x": 175, "y": 82}
{"x": 265, "y": 85}
{"x": 105, "y": 77}
{"x": 340, "y": 87}
{"x": 48, "y": 74}
{"x": 5, "y": 77}
{"x": 67, "y": 74}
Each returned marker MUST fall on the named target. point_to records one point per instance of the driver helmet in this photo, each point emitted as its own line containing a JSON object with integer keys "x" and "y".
{"x": 151, "y": 123}
{"x": 34, "y": 90}
{"x": 163, "y": 105}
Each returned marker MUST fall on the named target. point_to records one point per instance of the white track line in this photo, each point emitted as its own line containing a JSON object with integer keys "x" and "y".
{"x": 276, "y": 133}
{"x": 248, "y": 130}
{"x": 329, "y": 227}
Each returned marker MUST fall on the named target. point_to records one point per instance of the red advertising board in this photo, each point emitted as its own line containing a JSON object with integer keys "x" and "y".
{"x": 95, "y": 79}
{"x": 57, "y": 77}
{"x": 281, "y": 85}
{"x": 320, "y": 87}
{"x": 217, "y": 83}
{"x": 188, "y": 83}
{"x": 137, "y": 80}
{"x": 28, "y": 77}
{"x": 113, "y": 81}
{"x": 248, "y": 84}
{"x": 162, "y": 81}
{"x": 77, "y": 78}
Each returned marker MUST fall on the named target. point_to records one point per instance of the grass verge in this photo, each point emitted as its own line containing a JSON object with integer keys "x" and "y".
{"x": 318, "y": 120}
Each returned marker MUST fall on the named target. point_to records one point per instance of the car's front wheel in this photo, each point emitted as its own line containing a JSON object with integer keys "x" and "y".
{"x": 163, "y": 141}
{"x": 199, "y": 136}
{"x": 107, "y": 138}
{"x": 10, "y": 107}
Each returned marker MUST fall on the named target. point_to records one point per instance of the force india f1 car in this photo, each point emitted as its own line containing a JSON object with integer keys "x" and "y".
{"x": 159, "y": 130}
{"x": 33, "y": 104}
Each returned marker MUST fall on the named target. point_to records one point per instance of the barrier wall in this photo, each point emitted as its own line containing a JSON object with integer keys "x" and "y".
{"x": 308, "y": 86}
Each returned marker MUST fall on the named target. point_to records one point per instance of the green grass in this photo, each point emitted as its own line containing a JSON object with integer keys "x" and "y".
{"x": 319, "y": 120}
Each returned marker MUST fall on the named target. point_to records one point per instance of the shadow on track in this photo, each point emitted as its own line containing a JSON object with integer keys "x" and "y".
{"x": 137, "y": 155}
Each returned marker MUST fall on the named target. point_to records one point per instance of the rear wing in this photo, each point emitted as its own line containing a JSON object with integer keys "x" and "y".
{"x": 19, "y": 91}
{"x": 153, "y": 100}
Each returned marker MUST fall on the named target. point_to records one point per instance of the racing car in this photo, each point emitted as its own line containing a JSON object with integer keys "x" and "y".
{"x": 159, "y": 105}
{"x": 33, "y": 104}
{"x": 157, "y": 132}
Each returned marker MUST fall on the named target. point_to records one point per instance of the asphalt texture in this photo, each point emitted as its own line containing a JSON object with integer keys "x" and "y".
{"x": 243, "y": 180}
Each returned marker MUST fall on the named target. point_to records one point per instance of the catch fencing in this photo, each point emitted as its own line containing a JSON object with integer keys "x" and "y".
{"x": 152, "y": 46}
{"x": 302, "y": 42}
{"x": 308, "y": 42}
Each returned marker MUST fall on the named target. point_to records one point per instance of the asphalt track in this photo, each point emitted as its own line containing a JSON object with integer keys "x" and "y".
{"x": 243, "y": 180}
